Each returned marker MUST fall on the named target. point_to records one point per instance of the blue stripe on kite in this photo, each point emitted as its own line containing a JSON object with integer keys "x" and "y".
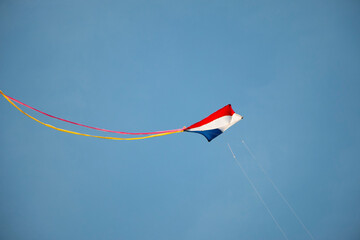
{"x": 209, "y": 134}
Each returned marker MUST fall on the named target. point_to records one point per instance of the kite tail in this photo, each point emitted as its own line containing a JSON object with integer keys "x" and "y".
{"x": 95, "y": 128}
{"x": 82, "y": 134}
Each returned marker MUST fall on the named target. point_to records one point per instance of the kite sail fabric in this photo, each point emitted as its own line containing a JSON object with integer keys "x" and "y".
{"x": 210, "y": 127}
{"x": 215, "y": 124}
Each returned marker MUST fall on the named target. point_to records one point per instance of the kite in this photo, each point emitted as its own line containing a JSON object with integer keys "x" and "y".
{"x": 215, "y": 124}
{"x": 210, "y": 127}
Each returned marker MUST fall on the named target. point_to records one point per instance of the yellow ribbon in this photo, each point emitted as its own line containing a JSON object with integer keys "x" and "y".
{"x": 82, "y": 134}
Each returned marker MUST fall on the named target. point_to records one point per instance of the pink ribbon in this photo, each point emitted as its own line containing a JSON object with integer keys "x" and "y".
{"x": 95, "y": 128}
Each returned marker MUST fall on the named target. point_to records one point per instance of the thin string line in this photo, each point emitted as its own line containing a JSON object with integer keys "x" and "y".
{"x": 258, "y": 194}
{"x": 278, "y": 190}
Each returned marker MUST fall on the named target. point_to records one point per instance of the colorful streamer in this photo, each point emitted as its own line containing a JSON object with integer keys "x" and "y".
{"x": 82, "y": 134}
{"x": 95, "y": 128}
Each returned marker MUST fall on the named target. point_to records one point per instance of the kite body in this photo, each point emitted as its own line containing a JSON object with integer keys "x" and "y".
{"x": 210, "y": 127}
{"x": 216, "y": 123}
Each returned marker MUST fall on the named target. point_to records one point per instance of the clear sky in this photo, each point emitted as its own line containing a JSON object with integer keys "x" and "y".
{"x": 291, "y": 68}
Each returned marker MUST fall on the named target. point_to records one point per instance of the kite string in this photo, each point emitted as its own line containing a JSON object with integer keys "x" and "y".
{"x": 95, "y": 128}
{"x": 258, "y": 194}
{"x": 277, "y": 190}
{"x": 82, "y": 134}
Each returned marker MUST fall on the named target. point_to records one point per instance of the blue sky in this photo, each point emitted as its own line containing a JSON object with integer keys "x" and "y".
{"x": 292, "y": 69}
